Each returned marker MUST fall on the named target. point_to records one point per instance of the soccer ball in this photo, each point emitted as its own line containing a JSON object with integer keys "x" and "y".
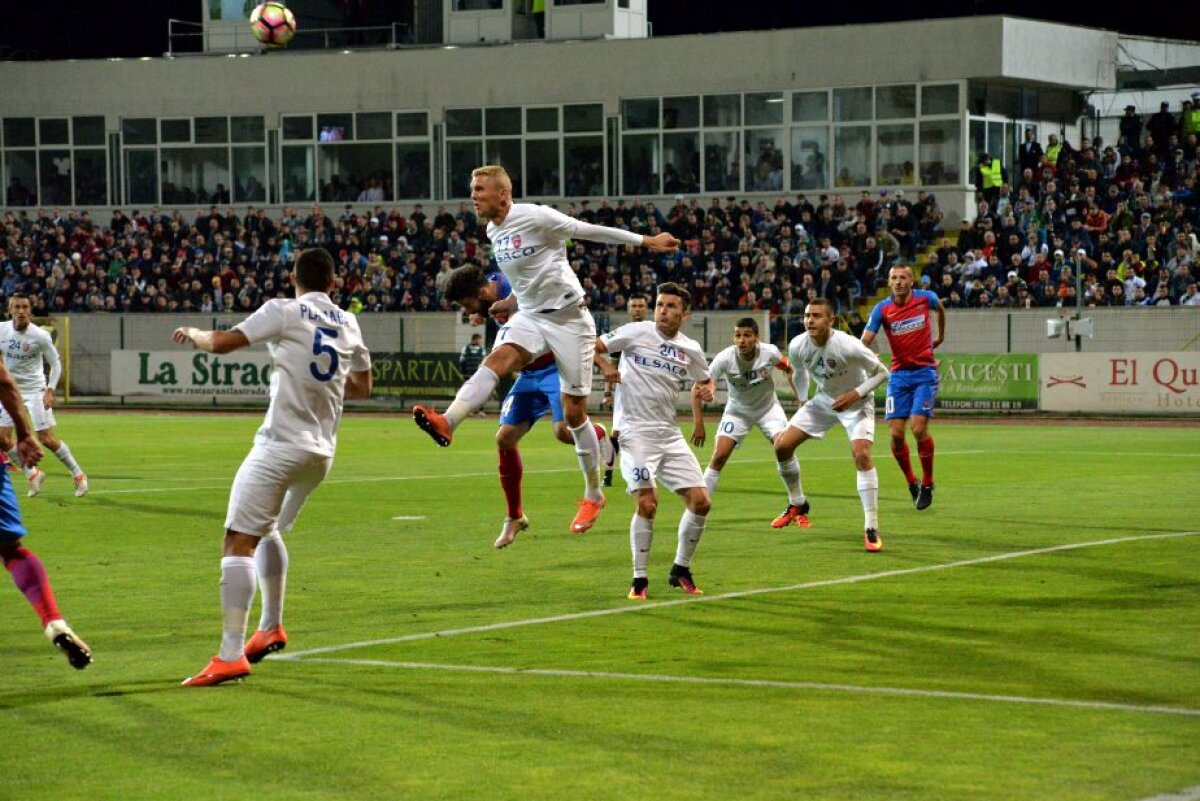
{"x": 272, "y": 24}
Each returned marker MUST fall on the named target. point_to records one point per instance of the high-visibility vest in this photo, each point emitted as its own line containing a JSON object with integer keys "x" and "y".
{"x": 1052, "y": 153}
{"x": 539, "y": 6}
{"x": 992, "y": 176}
{"x": 1191, "y": 123}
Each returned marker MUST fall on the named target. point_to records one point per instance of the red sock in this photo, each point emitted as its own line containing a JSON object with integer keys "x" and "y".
{"x": 30, "y": 577}
{"x": 511, "y": 472}
{"x": 905, "y": 461}
{"x": 925, "y": 451}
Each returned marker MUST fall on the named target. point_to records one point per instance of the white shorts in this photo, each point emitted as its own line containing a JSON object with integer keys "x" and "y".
{"x": 617, "y": 411}
{"x": 271, "y": 487}
{"x": 569, "y": 333}
{"x": 649, "y": 456}
{"x": 41, "y": 417}
{"x": 736, "y": 426}
{"x": 817, "y": 416}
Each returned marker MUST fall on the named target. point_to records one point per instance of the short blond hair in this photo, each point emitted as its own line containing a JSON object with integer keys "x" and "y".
{"x": 494, "y": 172}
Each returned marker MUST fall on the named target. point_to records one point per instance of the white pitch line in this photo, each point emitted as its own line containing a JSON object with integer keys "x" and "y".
{"x": 409, "y": 517}
{"x": 787, "y": 685}
{"x": 693, "y": 599}
{"x": 1190, "y": 794}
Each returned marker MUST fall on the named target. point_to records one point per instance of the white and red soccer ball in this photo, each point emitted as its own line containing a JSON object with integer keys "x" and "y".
{"x": 273, "y": 24}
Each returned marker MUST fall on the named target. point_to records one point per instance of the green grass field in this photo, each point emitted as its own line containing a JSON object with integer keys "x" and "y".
{"x": 1033, "y": 635}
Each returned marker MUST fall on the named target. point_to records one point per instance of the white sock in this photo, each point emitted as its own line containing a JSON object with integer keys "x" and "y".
{"x": 15, "y": 456}
{"x": 641, "y": 534}
{"x": 471, "y": 396}
{"x": 587, "y": 450}
{"x": 64, "y": 455}
{"x": 711, "y": 477}
{"x": 691, "y": 528}
{"x": 790, "y": 473}
{"x": 868, "y": 491}
{"x": 237, "y": 593}
{"x": 271, "y": 564}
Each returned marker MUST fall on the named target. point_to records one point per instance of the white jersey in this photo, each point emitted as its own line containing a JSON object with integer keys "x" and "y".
{"x": 314, "y": 345}
{"x": 751, "y": 387}
{"x": 25, "y": 354}
{"x": 529, "y": 248}
{"x": 652, "y": 367}
{"x": 845, "y": 363}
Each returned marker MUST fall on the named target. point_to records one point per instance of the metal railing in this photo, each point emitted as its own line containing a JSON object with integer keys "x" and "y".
{"x": 188, "y": 38}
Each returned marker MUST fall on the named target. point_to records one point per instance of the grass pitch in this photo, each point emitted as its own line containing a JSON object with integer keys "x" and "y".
{"x": 1033, "y": 635}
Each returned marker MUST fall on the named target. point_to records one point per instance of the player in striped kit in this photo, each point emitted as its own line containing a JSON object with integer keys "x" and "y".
{"x": 28, "y": 349}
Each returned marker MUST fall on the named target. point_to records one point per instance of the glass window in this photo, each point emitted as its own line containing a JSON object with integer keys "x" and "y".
{"x": 810, "y": 106}
{"x": 810, "y": 144}
{"x": 541, "y": 168}
{"x": 412, "y": 123}
{"x": 722, "y": 167}
{"x": 764, "y": 160}
{"x": 939, "y": 99}
{"x": 18, "y": 132}
{"x": 852, "y": 156}
{"x": 335, "y": 127}
{"x": 373, "y": 125}
{"x": 412, "y": 170}
{"x": 55, "y": 177}
{"x": 640, "y": 113}
{"x": 681, "y": 163}
{"x": 249, "y": 175}
{"x": 502, "y": 122}
{"x": 583, "y": 166}
{"x": 53, "y": 132}
{"x": 583, "y": 117}
{"x": 91, "y": 177}
{"x": 297, "y": 128}
{"x": 247, "y": 129}
{"x": 461, "y": 158}
{"x": 141, "y": 175}
{"x": 142, "y": 131}
{"x": 212, "y": 130}
{"x": 995, "y": 140}
{"x": 977, "y": 143}
{"x": 722, "y": 111}
{"x": 506, "y": 153}
{"x": 896, "y": 102}
{"x": 355, "y": 173}
{"x": 940, "y": 156}
{"x": 681, "y": 112}
{"x": 195, "y": 175}
{"x": 299, "y": 164}
{"x": 639, "y": 164}
{"x": 764, "y": 108}
{"x": 895, "y": 155}
{"x": 541, "y": 120}
{"x": 176, "y": 130}
{"x": 464, "y": 122}
{"x": 88, "y": 130}
{"x": 20, "y": 177}
{"x": 852, "y": 105}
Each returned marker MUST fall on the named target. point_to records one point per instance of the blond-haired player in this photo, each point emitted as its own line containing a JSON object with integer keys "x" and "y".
{"x": 528, "y": 246}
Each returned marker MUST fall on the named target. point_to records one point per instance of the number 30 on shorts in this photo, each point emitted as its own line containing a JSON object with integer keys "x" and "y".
{"x": 727, "y": 427}
{"x": 641, "y": 473}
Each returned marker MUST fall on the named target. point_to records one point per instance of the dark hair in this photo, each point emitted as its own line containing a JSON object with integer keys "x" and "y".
{"x": 464, "y": 282}
{"x": 637, "y": 296}
{"x": 19, "y": 296}
{"x": 747, "y": 322}
{"x": 826, "y": 302}
{"x": 314, "y": 269}
{"x": 672, "y": 288}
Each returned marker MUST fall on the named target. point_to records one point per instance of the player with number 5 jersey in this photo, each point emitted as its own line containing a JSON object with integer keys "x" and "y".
{"x": 319, "y": 359}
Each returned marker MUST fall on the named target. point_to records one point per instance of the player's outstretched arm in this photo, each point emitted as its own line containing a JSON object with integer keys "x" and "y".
{"x": 661, "y": 243}
{"x": 210, "y": 341}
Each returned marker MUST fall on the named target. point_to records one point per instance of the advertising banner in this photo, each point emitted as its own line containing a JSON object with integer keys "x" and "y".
{"x": 1147, "y": 383}
{"x": 985, "y": 381}
{"x": 426, "y": 375}
{"x": 183, "y": 373}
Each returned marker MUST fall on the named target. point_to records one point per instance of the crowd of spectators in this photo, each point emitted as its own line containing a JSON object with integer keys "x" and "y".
{"x": 1122, "y": 218}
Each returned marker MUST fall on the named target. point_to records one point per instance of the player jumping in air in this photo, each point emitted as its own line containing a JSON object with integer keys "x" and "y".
{"x": 912, "y": 388}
